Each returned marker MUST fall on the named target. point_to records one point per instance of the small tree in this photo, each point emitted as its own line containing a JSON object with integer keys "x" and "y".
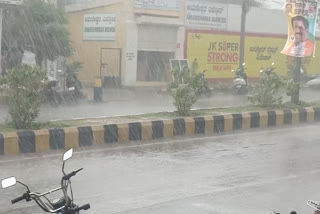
{"x": 269, "y": 90}
{"x": 24, "y": 86}
{"x": 184, "y": 97}
{"x": 186, "y": 88}
{"x": 38, "y": 25}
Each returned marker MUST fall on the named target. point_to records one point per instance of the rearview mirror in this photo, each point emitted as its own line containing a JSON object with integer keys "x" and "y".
{"x": 67, "y": 155}
{"x": 8, "y": 182}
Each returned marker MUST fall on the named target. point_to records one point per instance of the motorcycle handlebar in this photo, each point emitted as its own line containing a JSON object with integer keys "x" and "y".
{"x": 71, "y": 174}
{"x": 24, "y": 196}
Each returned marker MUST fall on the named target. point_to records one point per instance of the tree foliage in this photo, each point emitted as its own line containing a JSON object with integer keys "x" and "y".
{"x": 269, "y": 90}
{"x": 36, "y": 25}
{"x": 24, "y": 86}
{"x": 186, "y": 88}
{"x": 184, "y": 98}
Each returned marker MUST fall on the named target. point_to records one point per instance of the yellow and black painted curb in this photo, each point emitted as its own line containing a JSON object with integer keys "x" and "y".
{"x": 54, "y": 139}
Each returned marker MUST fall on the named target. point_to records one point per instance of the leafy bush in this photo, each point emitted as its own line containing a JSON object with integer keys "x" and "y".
{"x": 292, "y": 88}
{"x": 186, "y": 88}
{"x": 268, "y": 92}
{"x": 198, "y": 83}
{"x": 184, "y": 97}
{"x": 24, "y": 86}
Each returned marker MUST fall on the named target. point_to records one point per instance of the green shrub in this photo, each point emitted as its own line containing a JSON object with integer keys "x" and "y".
{"x": 184, "y": 97}
{"x": 292, "y": 88}
{"x": 269, "y": 90}
{"x": 198, "y": 83}
{"x": 24, "y": 86}
{"x": 186, "y": 88}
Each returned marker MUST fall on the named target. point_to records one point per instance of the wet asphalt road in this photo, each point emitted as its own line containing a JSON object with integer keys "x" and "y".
{"x": 126, "y": 102}
{"x": 250, "y": 173}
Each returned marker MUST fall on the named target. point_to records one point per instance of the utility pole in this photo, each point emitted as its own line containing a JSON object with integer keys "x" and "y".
{"x": 296, "y": 76}
{"x": 244, "y": 7}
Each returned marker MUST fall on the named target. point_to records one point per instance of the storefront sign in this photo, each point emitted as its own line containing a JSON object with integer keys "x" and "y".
{"x": 219, "y": 54}
{"x": 158, "y": 4}
{"x": 216, "y": 53}
{"x": 261, "y": 52}
{"x": 99, "y": 27}
{"x": 301, "y": 17}
{"x": 130, "y": 56}
{"x": 206, "y": 14}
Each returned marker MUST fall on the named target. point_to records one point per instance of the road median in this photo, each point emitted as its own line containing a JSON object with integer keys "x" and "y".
{"x": 75, "y": 137}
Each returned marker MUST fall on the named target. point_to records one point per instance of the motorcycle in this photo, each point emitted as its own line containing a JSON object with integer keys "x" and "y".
{"x": 269, "y": 70}
{"x": 293, "y": 212}
{"x": 67, "y": 89}
{"x": 64, "y": 205}
{"x": 73, "y": 92}
{"x": 315, "y": 205}
{"x": 51, "y": 92}
{"x": 240, "y": 82}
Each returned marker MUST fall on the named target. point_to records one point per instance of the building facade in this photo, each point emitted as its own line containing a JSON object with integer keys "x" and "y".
{"x": 131, "y": 42}
{"x": 144, "y": 37}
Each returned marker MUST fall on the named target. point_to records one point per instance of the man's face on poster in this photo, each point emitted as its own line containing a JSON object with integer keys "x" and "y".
{"x": 288, "y": 8}
{"x": 312, "y": 9}
{"x": 300, "y": 32}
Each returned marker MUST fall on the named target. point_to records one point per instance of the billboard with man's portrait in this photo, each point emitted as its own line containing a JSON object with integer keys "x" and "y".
{"x": 302, "y": 18}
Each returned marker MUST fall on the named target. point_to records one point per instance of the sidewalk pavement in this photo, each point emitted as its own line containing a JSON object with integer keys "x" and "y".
{"x": 120, "y": 102}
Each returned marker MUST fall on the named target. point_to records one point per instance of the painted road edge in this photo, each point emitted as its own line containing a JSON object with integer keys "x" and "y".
{"x": 23, "y": 142}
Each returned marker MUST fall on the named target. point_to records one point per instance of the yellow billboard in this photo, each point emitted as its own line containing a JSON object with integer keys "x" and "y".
{"x": 219, "y": 54}
{"x": 261, "y": 52}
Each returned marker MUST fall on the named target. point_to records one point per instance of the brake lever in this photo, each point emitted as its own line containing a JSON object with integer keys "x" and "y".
{"x": 78, "y": 170}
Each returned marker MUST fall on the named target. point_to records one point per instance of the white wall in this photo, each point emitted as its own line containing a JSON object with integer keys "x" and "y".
{"x": 179, "y": 54}
{"x": 130, "y": 52}
{"x": 234, "y": 18}
{"x": 130, "y": 55}
{"x": 259, "y": 20}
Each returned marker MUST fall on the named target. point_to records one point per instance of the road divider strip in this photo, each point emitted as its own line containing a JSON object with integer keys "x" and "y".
{"x": 75, "y": 137}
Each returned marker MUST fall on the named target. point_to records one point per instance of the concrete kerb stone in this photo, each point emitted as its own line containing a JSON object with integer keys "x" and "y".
{"x": 46, "y": 140}
{"x": 42, "y": 140}
{"x": 246, "y": 120}
{"x": 11, "y": 143}
{"x": 310, "y": 114}
{"x": 209, "y": 125}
